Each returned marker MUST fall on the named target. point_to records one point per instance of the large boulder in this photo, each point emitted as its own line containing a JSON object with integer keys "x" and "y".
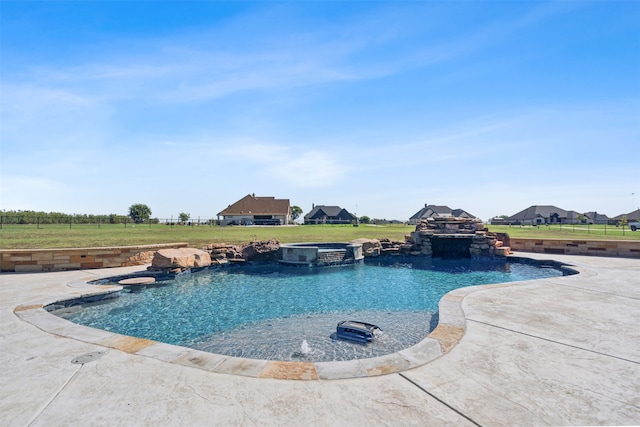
{"x": 183, "y": 259}
{"x": 265, "y": 250}
{"x": 221, "y": 252}
{"x": 141, "y": 258}
{"x": 370, "y": 247}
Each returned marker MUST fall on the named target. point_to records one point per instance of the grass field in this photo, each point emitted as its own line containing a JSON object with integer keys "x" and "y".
{"x": 569, "y": 231}
{"x": 63, "y": 236}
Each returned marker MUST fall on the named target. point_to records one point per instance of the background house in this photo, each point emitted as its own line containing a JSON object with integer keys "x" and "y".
{"x": 597, "y": 218}
{"x": 549, "y": 214}
{"x": 431, "y": 211}
{"x": 322, "y": 214}
{"x": 631, "y": 216}
{"x": 252, "y": 210}
{"x": 536, "y": 215}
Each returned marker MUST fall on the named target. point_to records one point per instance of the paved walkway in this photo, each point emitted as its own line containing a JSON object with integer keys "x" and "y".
{"x": 562, "y": 351}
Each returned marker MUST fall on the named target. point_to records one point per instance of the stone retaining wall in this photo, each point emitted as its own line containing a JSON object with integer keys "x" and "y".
{"x": 613, "y": 248}
{"x": 34, "y": 260}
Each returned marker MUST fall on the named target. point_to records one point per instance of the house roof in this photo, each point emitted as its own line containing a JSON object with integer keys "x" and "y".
{"x": 250, "y": 204}
{"x": 544, "y": 211}
{"x": 430, "y": 210}
{"x": 328, "y": 211}
{"x": 596, "y": 216}
{"x": 461, "y": 213}
{"x": 631, "y": 216}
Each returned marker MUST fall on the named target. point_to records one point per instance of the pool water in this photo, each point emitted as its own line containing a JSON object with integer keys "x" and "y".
{"x": 288, "y": 313}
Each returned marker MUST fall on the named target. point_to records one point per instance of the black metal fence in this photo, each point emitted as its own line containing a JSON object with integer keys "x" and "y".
{"x": 40, "y": 221}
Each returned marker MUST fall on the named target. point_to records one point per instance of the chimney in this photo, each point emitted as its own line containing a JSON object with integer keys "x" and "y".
{"x": 313, "y": 206}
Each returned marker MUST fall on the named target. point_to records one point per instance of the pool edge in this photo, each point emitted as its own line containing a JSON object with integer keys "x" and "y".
{"x": 448, "y": 333}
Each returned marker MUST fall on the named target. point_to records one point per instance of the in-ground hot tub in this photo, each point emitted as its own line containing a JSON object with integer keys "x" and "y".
{"x": 331, "y": 253}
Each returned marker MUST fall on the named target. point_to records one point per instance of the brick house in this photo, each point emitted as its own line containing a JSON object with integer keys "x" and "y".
{"x": 329, "y": 215}
{"x": 252, "y": 210}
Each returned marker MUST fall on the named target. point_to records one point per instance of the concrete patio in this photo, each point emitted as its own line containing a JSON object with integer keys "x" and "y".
{"x": 562, "y": 351}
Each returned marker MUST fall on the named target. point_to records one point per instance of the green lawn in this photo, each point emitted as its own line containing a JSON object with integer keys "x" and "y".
{"x": 557, "y": 231}
{"x": 63, "y": 236}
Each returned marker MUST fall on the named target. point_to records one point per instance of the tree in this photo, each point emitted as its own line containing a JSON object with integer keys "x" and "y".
{"x": 365, "y": 219}
{"x": 139, "y": 212}
{"x": 296, "y": 211}
{"x": 623, "y": 221}
{"x": 184, "y": 217}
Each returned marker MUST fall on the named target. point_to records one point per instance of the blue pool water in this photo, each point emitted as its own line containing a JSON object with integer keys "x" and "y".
{"x": 266, "y": 312}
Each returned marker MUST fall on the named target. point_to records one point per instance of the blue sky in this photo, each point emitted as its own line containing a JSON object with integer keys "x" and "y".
{"x": 378, "y": 107}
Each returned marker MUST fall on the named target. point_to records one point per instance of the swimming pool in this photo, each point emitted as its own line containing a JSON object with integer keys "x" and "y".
{"x": 276, "y": 312}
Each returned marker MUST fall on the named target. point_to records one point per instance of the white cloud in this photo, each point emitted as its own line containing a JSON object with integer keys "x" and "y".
{"x": 209, "y": 64}
{"x": 34, "y": 118}
{"x": 26, "y": 106}
{"x": 293, "y": 166}
{"x": 188, "y": 68}
{"x": 309, "y": 169}
{"x": 25, "y": 192}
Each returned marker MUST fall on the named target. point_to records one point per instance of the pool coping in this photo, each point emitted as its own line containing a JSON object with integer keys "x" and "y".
{"x": 448, "y": 333}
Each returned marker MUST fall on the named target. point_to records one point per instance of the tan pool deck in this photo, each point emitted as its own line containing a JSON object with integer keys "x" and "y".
{"x": 561, "y": 351}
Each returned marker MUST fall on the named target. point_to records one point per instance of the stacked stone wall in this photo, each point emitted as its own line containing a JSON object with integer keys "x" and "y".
{"x": 443, "y": 230}
{"x": 612, "y": 248}
{"x": 221, "y": 252}
{"x": 35, "y": 260}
